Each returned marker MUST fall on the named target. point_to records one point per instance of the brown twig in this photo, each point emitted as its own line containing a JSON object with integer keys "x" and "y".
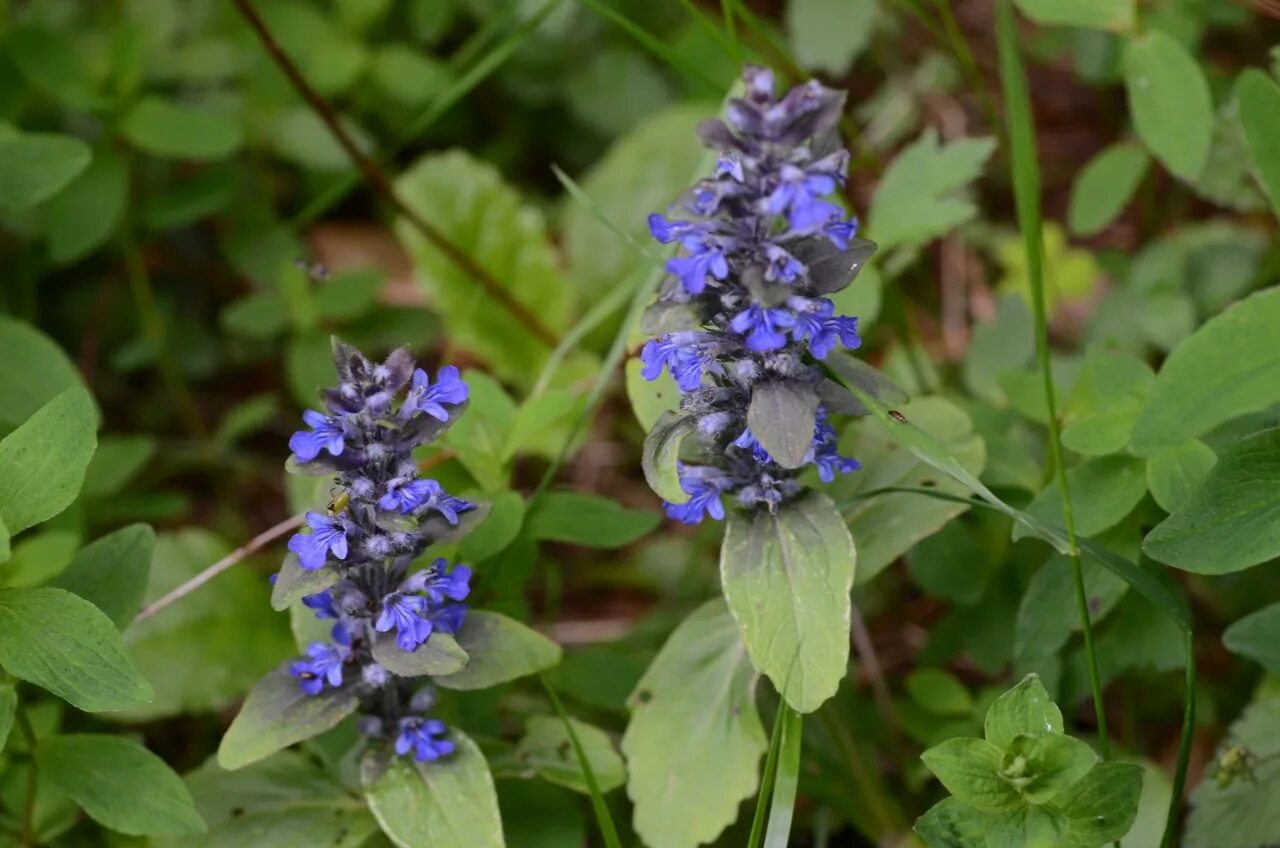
{"x": 379, "y": 182}
{"x": 249, "y": 548}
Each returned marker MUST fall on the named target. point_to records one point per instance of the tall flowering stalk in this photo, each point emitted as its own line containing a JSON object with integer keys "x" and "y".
{"x": 744, "y": 319}
{"x": 363, "y": 548}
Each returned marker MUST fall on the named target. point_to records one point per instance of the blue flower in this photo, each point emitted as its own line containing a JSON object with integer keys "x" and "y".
{"x": 816, "y": 322}
{"x": 325, "y": 434}
{"x": 448, "y": 619}
{"x": 449, "y": 389}
{"x": 324, "y": 665}
{"x": 405, "y": 612}
{"x": 797, "y": 195}
{"x": 841, "y": 232}
{"x": 408, "y": 496}
{"x": 704, "y": 259}
{"x": 824, "y": 451}
{"x": 686, "y": 354}
{"x": 328, "y": 535}
{"x": 322, "y": 603}
{"x": 424, "y": 737}
{"x": 704, "y": 486}
{"x": 782, "y": 265}
{"x": 763, "y": 327}
{"x": 439, "y": 583}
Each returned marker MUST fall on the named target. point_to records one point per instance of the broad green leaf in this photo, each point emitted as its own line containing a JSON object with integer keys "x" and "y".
{"x": 887, "y": 526}
{"x": 1042, "y": 765}
{"x": 293, "y": 581}
{"x": 284, "y": 801}
{"x": 1048, "y": 614}
{"x": 1232, "y": 519}
{"x": 1040, "y": 827}
{"x": 506, "y": 518}
{"x": 1170, "y": 102}
{"x": 1259, "y": 99}
{"x": 486, "y": 219}
{"x": 917, "y": 198}
{"x": 205, "y": 651}
{"x": 999, "y": 346}
{"x": 36, "y": 166}
{"x": 970, "y": 770}
{"x": 42, "y": 463}
{"x": 1228, "y": 367}
{"x": 63, "y": 643}
{"x": 450, "y": 803}
{"x": 781, "y": 417}
{"x": 167, "y": 129}
{"x": 1105, "y": 401}
{"x": 939, "y": 692}
{"x": 1024, "y": 710}
{"x": 51, "y": 63}
{"x": 1095, "y": 14}
{"x": 1173, "y": 474}
{"x": 613, "y": 88}
{"x": 1257, "y": 636}
{"x": 955, "y": 564}
{"x": 116, "y": 462}
{"x": 662, "y": 453}
{"x": 650, "y": 398}
{"x": 1103, "y": 491}
{"x": 694, "y": 742}
{"x": 440, "y": 654}
{"x": 1245, "y": 813}
{"x": 1101, "y": 807}
{"x": 82, "y": 217}
{"x": 953, "y": 824}
{"x": 829, "y": 35}
{"x": 588, "y": 520}
{"x": 545, "y": 749}
{"x": 8, "y": 709}
{"x": 643, "y": 172}
{"x": 111, "y": 573}
{"x": 787, "y": 576}
{"x": 499, "y": 649}
{"x": 38, "y": 557}
{"x": 120, "y": 784}
{"x": 278, "y": 713}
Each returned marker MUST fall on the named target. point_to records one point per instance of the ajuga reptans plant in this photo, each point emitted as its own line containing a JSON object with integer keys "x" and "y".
{"x": 383, "y": 516}
{"x": 744, "y": 319}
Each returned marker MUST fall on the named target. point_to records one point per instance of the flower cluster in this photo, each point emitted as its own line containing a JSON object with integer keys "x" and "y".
{"x": 382, "y": 518}
{"x": 745, "y": 305}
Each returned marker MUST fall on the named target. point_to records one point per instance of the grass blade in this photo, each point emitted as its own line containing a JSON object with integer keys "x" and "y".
{"x": 766, "y": 779}
{"x": 651, "y": 43}
{"x": 603, "y": 818}
{"x": 787, "y": 780}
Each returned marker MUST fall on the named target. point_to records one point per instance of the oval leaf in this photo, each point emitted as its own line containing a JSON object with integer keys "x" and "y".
{"x": 1170, "y": 102}
{"x": 293, "y": 582}
{"x": 662, "y": 453}
{"x": 120, "y": 784}
{"x": 440, "y": 654}
{"x": 546, "y": 750}
{"x": 781, "y": 417}
{"x": 111, "y": 573}
{"x": 787, "y": 578}
{"x": 36, "y": 166}
{"x": 450, "y": 803}
{"x": 1259, "y": 99}
{"x": 65, "y": 644}
{"x": 499, "y": 649}
{"x": 42, "y": 463}
{"x": 277, "y": 714}
{"x": 1257, "y": 636}
{"x": 1105, "y": 187}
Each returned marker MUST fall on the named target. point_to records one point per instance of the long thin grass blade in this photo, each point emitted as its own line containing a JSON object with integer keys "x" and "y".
{"x": 603, "y": 818}
{"x": 766, "y": 781}
{"x": 787, "y": 781}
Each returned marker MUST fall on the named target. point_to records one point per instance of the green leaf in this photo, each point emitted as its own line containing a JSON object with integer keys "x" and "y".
{"x": 787, "y": 577}
{"x": 782, "y": 805}
{"x": 650, "y": 398}
{"x": 486, "y": 219}
{"x": 120, "y": 784}
{"x": 63, "y": 643}
{"x": 1257, "y": 637}
{"x": 1244, "y": 813}
{"x": 499, "y": 649}
{"x": 111, "y": 573}
{"x": 1259, "y": 99}
{"x": 829, "y": 35}
{"x": 293, "y": 581}
{"x": 1095, "y": 14}
{"x": 42, "y": 463}
{"x": 284, "y": 801}
{"x": 916, "y": 201}
{"x": 173, "y": 131}
{"x": 440, "y": 654}
{"x": 588, "y": 520}
{"x": 8, "y": 709}
{"x": 1173, "y": 474}
{"x": 1024, "y": 710}
{"x": 38, "y": 557}
{"x": 694, "y": 742}
{"x": 82, "y": 217}
{"x": 1043, "y": 765}
{"x": 1232, "y": 520}
{"x": 662, "y": 454}
{"x": 970, "y": 770}
{"x": 1228, "y": 367}
{"x": 1103, "y": 491}
{"x": 1048, "y": 614}
{"x": 36, "y": 166}
{"x": 277, "y": 713}
{"x": 1170, "y": 102}
{"x": 953, "y": 824}
{"x": 1106, "y": 400}
{"x": 1101, "y": 807}
{"x": 781, "y": 417}
{"x": 999, "y": 346}
{"x": 501, "y": 528}
{"x": 545, "y": 750}
{"x": 450, "y": 803}
{"x": 52, "y": 64}
{"x": 205, "y": 651}
{"x": 116, "y": 462}
{"x": 889, "y": 525}
{"x": 938, "y": 692}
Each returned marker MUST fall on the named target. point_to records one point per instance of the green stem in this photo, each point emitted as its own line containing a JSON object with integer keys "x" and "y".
{"x": 603, "y": 819}
{"x": 960, "y": 46}
{"x": 726, "y": 8}
{"x": 1026, "y": 185}
{"x": 766, "y": 780}
{"x": 1184, "y": 749}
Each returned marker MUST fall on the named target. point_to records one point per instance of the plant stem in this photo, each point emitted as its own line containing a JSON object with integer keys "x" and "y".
{"x": 1026, "y": 185}
{"x": 1184, "y": 748}
{"x": 960, "y": 46}
{"x": 379, "y": 183}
